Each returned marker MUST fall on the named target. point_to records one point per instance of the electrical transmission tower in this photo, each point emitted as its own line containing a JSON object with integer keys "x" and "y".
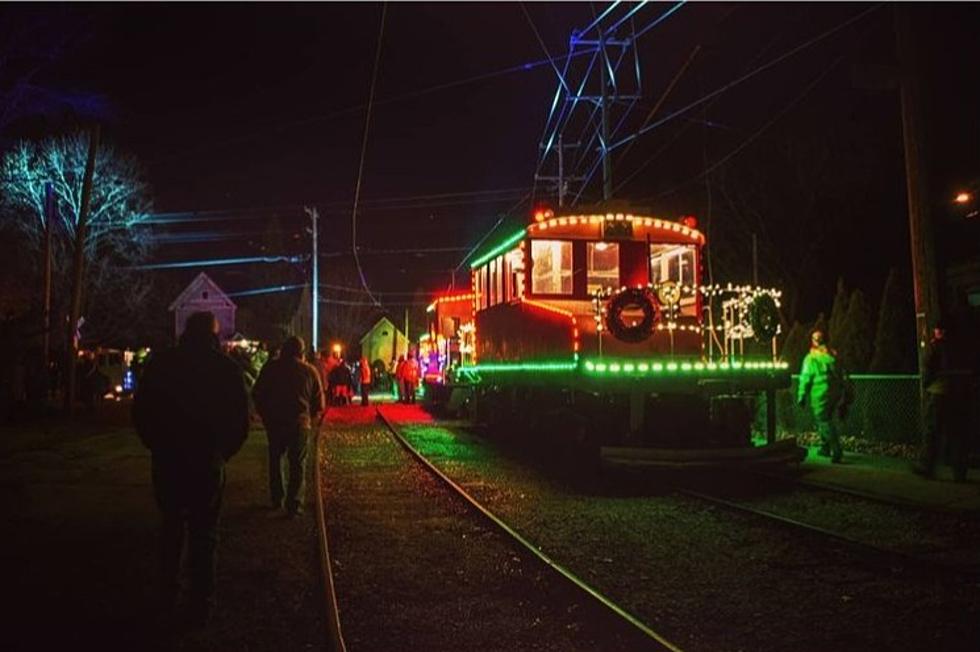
{"x": 599, "y": 84}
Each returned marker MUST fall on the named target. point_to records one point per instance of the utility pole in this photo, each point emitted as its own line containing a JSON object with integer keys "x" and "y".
{"x": 561, "y": 181}
{"x": 81, "y": 232}
{"x": 920, "y": 225}
{"x": 607, "y": 182}
{"x": 315, "y": 282}
{"x": 48, "y": 224}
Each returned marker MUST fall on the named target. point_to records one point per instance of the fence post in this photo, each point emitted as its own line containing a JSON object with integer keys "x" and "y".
{"x": 770, "y": 416}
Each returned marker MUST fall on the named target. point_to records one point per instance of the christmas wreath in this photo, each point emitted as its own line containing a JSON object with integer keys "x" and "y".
{"x": 631, "y": 298}
{"x": 763, "y": 317}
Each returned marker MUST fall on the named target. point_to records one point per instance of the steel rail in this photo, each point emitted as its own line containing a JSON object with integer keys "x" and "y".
{"x": 909, "y": 561}
{"x": 516, "y": 537}
{"x": 335, "y": 638}
{"x": 870, "y": 496}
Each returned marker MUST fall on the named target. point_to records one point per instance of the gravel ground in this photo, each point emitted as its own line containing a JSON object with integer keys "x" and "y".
{"x": 416, "y": 570}
{"x": 705, "y": 578}
{"x": 947, "y": 537}
{"x": 77, "y": 555}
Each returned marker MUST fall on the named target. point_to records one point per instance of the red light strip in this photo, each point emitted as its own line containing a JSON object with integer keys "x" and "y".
{"x": 564, "y": 313}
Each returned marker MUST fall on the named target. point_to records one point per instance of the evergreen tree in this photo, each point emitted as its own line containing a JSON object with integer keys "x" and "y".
{"x": 894, "y": 346}
{"x": 838, "y": 315}
{"x": 795, "y": 345}
{"x": 854, "y": 344}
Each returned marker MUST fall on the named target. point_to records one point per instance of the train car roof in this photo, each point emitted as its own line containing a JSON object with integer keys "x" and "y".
{"x": 595, "y": 226}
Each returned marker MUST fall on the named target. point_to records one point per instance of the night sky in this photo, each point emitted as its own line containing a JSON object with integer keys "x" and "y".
{"x": 259, "y": 109}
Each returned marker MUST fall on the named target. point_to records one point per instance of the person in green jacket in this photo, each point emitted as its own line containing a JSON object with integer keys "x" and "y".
{"x": 822, "y": 381}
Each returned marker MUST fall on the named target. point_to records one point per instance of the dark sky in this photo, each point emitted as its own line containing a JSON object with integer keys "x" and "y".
{"x": 258, "y": 108}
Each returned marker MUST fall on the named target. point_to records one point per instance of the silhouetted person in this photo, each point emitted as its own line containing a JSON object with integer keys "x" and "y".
{"x": 191, "y": 411}
{"x": 822, "y": 380}
{"x": 946, "y": 378}
{"x": 289, "y": 398}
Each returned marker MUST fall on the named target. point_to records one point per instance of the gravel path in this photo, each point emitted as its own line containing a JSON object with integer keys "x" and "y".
{"x": 951, "y": 538}
{"x": 706, "y": 578}
{"x": 77, "y": 555}
{"x": 416, "y": 570}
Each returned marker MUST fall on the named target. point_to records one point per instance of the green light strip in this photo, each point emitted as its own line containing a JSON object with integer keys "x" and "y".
{"x": 523, "y": 366}
{"x": 499, "y": 249}
{"x": 679, "y": 368}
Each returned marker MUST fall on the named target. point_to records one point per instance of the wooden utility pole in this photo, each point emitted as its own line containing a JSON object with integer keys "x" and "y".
{"x": 925, "y": 288}
{"x": 78, "y": 269}
{"x": 48, "y": 225}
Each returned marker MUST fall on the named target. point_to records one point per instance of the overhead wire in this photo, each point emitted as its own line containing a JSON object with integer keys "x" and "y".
{"x": 735, "y": 82}
{"x": 758, "y": 132}
{"x": 364, "y": 142}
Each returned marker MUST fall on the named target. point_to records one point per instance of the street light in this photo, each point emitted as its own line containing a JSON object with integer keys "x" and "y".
{"x": 963, "y": 198}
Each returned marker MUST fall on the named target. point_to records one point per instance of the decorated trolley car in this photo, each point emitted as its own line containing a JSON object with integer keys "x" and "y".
{"x": 598, "y": 328}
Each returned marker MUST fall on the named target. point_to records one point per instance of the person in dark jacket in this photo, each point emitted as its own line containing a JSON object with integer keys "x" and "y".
{"x": 289, "y": 398}
{"x": 191, "y": 411}
{"x": 946, "y": 379}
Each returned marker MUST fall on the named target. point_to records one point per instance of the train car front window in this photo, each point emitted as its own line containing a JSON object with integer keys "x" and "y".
{"x": 551, "y": 271}
{"x": 603, "y": 266}
{"x": 672, "y": 263}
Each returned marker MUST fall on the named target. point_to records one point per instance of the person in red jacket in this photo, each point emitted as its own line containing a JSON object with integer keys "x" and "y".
{"x": 365, "y": 371}
{"x": 400, "y": 378}
{"x": 410, "y": 378}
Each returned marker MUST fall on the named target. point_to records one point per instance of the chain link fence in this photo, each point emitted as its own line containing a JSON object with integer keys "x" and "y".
{"x": 886, "y": 409}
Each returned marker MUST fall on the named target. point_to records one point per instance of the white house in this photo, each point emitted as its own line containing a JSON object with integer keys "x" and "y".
{"x": 204, "y": 294}
{"x": 384, "y": 342}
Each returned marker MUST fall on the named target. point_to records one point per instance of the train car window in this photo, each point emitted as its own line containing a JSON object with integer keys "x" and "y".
{"x": 672, "y": 263}
{"x": 499, "y": 280}
{"x": 493, "y": 282}
{"x": 551, "y": 269}
{"x": 515, "y": 274}
{"x": 603, "y": 266}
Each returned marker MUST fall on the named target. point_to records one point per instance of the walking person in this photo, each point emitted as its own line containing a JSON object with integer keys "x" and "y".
{"x": 410, "y": 377}
{"x": 400, "y": 378}
{"x": 191, "y": 411}
{"x": 947, "y": 381}
{"x": 289, "y": 398}
{"x": 822, "y": 381}
{"x": 365, "y": 374}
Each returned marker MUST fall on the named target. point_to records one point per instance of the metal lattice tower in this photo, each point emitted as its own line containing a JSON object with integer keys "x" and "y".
{"x": 599, "y": 85}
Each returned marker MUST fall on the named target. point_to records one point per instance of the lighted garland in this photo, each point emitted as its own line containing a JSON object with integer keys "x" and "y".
{"x": 632, "y": 297}
{"x": 764, "y": 317}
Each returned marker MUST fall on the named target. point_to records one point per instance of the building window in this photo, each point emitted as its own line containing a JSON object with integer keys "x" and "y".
{"x": 551, "y": 265}
{"x": 603, "y": 266}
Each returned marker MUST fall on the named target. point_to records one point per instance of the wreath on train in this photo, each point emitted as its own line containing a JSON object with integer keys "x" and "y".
{"x": 764, "y": 317}
{"x": 632, "y": 297}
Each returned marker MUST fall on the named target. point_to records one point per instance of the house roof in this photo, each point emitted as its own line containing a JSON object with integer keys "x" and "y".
{"x": 193, "y": 292}
{"x": 381, "y": 321}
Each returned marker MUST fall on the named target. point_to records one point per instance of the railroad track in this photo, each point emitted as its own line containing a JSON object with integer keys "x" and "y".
{"x": 335, "y": 638}
{"x": 891, "y": 558}
{"x": 635, "y": 629}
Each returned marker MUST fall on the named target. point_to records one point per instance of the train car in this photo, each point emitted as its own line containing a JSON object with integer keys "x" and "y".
{"x": 596, "y": 327}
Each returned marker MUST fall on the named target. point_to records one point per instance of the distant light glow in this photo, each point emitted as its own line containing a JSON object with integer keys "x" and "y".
{"x": 963, "y": 198}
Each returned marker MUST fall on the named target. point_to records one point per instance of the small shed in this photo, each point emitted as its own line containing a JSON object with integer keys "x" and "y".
{"x": 204, "y": 294}
{"x": 384, "y": 342}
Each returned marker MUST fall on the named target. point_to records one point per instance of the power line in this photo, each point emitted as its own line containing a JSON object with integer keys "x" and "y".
{"x": 748, "y": 141}
{"x": 816, "y": 39}
{"x": 364, "y": 142}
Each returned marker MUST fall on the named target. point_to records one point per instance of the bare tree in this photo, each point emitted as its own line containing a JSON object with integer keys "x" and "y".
{"x": 117, "y": 235}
